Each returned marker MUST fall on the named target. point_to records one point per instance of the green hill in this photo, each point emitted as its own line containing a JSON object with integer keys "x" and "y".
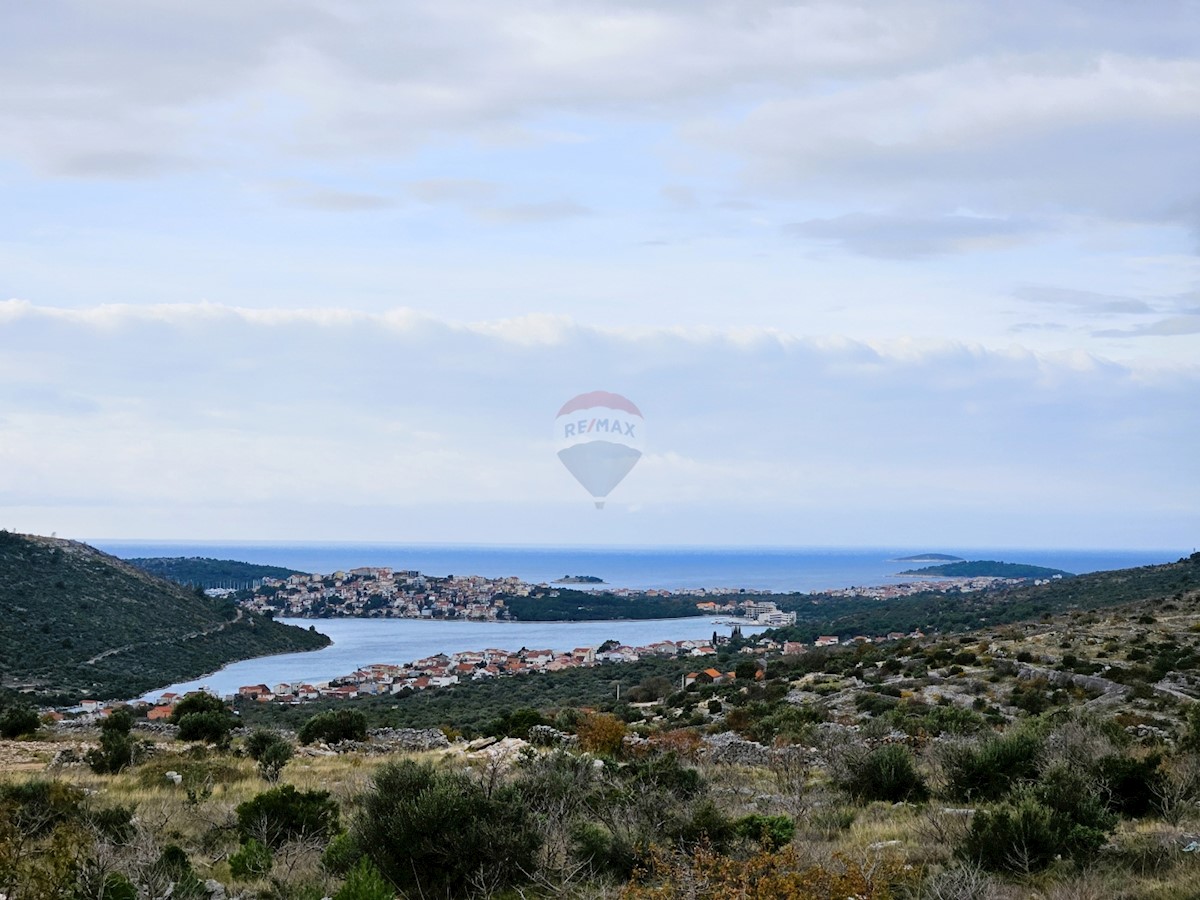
{"x": 76, "y": 622}
{"x": 987, "y": 568}
{"x": 205, "y": 572}
{"x": 960, "y": 612}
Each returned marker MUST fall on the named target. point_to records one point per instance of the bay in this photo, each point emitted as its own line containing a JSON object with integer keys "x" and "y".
{"x": 359, "y": 642}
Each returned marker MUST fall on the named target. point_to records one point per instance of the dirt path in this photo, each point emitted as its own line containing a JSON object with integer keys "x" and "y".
{"x": 186, "y": 637}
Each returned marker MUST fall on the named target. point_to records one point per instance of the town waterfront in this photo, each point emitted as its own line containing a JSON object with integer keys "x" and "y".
{"x": 359, "y": 642}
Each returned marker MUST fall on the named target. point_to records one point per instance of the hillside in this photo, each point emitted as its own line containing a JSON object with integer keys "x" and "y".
{"x": 205, "y": 572}
{"x": 957, "y": 612}
{"x": 77, "y": 622}
{"x": 987, "y": 568}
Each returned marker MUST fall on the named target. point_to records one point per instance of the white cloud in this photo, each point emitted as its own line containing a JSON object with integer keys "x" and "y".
{"x": 206, "y": 408}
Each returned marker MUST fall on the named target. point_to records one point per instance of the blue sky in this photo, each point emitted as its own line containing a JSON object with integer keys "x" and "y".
{"x": 908, "y": 273}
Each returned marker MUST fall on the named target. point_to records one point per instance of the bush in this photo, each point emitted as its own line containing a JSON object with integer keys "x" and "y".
{"x": 252, "y": 860}
{"x": 334, "y": 725}
{"x": 989, "y": 770}
{"x": 1026, "y": 835}
{"x": 365, "y": 883}
{"x": 116, "y": 751}
{"x": 886, "y": 773}
{"x": 601, "y": 733}
{"x": 271, "y": 751}
{"x": 771, "y": 832}
{"x": 435, "y": 833}
{"x": 211, "y": 727}
{"x": 283, "y": 813}
{"x": 18, "y": 721}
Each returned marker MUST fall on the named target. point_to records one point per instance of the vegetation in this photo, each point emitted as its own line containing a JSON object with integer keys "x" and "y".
{"x": 335, "y": 725}
{"x": 1058, "y": 757}
{"x": 204, "y": 572}
{"x": 988, "y": 568}
{"x": 81, "y": 623}
{"x": 559, "y": 604}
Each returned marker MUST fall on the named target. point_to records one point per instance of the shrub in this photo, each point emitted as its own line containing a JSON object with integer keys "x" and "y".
{"x": 601, "y": 733}
{"x": 1025, "y": 835}
{"x": 334, "y": 725}
{"x": 435, "y": 833}
{"x": 18, "y": 721}
{"x": 989, "y": 770}
{"x": 365, "y": 883}
{"x": 886, "y": 773}
{"x": 117, "y": 748}
{"x": 1131, "y": 784}
{"x": 252, "y": 860}
{"x": 271, "y": 751}
{"x": 283, "y": 813}
{"x": 211, "y": 727}
{"x": 771, "y": 832}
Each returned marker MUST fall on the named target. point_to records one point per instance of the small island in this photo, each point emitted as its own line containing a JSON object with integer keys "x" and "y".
{"x": 988, "y": 568}
{"x": 579, "y": 579}
{"x": 930, "y": 557}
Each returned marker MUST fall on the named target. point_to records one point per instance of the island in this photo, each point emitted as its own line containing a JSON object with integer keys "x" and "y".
{"x": 930, "y": 557}
{"x": 988, "y": 568}
{"x": 579, "y": 579}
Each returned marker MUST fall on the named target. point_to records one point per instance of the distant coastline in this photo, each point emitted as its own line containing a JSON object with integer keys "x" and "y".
{"x": 930, "y": 558}
{"x": 580, "y": 579}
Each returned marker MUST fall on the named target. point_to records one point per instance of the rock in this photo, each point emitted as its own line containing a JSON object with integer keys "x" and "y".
{"x": 546, "y": 736}
{"x": 411, "y": 739}
{"x": 880, "y": 845}
{"x": 173, "y": 776}
{"x": 731, "y": 749}
{"x": 216, "y": 890}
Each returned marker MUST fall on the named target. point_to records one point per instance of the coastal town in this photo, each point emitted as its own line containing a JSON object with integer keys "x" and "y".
{"x": 381, "y": 592}
{"x": 445, "y": 670}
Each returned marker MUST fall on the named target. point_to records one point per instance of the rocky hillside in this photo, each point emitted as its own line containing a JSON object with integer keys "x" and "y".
{"x": 76, "y": 622}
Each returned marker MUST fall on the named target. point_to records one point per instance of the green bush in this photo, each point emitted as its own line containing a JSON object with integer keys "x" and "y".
{"x": 886, "y": 773}
{"x": 771, "y": 832}
{"x": 211, "y": 727}
{"x": 989, "y": 770}
{"x": 18, "y": 721}
{"x": 284, "y": 813}
{"x": 1026, "y": 834}
{"x": 365, "y": 883}
{"x": 271, "y": 751}
{"x": 334, "y": 725}
{"x": 1131, "y": 784}
{"x": 117, "y": 748}
{"x": 252, "y": 860}
{"x": 433, "y": 833}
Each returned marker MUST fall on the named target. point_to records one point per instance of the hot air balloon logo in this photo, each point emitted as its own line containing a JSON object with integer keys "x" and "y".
{"x": 600, "y": 437}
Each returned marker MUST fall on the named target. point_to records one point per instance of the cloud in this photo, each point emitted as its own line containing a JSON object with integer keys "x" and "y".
{"x": 1084, "y": 301}
{"x": 911, "y": 237}
{"x": 341, "y": 201}
{"x": 206, "y": 408}
{"x": 1169, "y": 327}
{"x": 525, "y": 213}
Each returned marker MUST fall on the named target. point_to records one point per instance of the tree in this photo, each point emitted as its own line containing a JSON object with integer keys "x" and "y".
{"x": 18, "y": 721}
{"x": 282, "y": 814}
{"x": 333, "y": 726}
{"x": 203, "y": 717}
{"x": 117, "y": 748}
{"x": 271, "y": 751}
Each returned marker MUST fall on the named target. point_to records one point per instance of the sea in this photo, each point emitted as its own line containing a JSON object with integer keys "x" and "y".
{"x": 357, "y": 642}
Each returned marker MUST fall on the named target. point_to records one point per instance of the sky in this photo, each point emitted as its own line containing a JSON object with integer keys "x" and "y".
{"x": 909, "y": 274}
